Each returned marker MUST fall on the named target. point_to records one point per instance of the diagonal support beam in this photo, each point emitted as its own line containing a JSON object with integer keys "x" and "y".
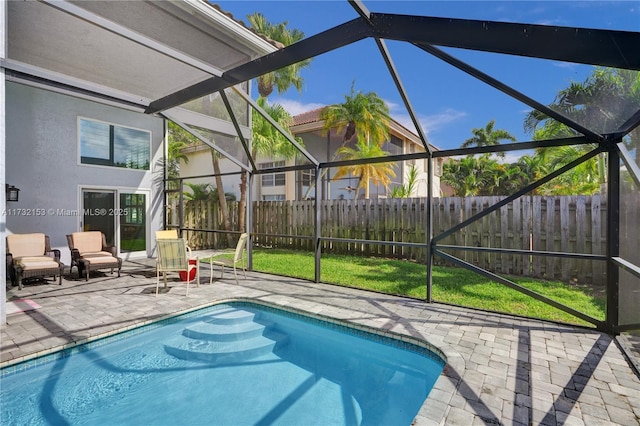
{"x": 627, "y": 266}
{"x": 326, "y": 41}
{"x": 628, "y": 126}
{"x": 632, "y": 167}
{"x": 207, "y": 142}
{"x": 244, "y": 143}
{"x": 517, "y": 287}
{"x": 279, "y": 128}
{"x": 518, "y": 194}
{"x": 384, "y": 51}
{"x": 403, "y": 93}
{"x": 508, "y": 90}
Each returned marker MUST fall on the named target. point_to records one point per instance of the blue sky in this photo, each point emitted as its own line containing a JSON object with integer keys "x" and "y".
{"x": 449, "y": 103}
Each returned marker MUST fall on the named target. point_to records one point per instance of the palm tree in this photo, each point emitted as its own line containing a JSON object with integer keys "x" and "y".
{"x": 602, "y": 102}
{"x": 380, "y": 173}
{"x": 364, "y": 115}
{"x": 199, "y": 191}
{"x": 488, "y": 136}
{"x": 532, "y": 168}
{"x": 475, "y": 176}
{"x": 178, "y": 140}
{"x": 286, "y": 77}
{"x": 268, "y": 142}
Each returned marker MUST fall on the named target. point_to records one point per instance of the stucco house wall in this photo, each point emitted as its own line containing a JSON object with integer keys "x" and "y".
{"x": 200, "y": 164}
{"x": 42, "y": 150}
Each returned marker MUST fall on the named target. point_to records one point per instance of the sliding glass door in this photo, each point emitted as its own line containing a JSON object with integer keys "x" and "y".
{"x": 120, "y": 214}
{"x": 133, "y": 222}
{"x": 98, "y": 207}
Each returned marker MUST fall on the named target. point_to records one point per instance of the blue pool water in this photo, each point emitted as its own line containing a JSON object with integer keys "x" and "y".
{"x": 232, "y": 364}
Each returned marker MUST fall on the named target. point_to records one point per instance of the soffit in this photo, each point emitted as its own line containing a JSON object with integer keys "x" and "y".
{"x": 42, "y": 36}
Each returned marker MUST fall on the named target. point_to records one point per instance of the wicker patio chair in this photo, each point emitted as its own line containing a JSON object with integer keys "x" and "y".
{"x": 30, "y": 256}
{"x": 90, "y": 252}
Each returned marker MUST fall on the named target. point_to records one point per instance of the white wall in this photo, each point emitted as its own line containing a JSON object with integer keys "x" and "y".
{"x": 200, "y": 164}
{"x": 42, "y": 160}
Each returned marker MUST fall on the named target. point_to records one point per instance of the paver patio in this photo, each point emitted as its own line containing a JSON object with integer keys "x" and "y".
{"x": 500, "y": 369}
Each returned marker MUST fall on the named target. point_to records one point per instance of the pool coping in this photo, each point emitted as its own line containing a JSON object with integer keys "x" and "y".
{"x": 433, "y": 410}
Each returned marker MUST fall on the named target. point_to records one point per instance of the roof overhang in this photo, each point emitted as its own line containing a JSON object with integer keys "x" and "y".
{"x": 124, "y": 52}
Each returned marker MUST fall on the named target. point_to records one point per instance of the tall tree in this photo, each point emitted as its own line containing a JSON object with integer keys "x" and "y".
{"x": 267, "y": 142}
{"x": 377, "y": 173}
{"x": 265, "y": 138}
{"x": 605, "y": 100}
{"x": 488, "y": 136}
{"x": 286, "y": 77}
{"x": 364, "y": 115}
{"x": 361, "y": 115}
{"x": 178, "y": 139}
{"x": 467, "y": 176}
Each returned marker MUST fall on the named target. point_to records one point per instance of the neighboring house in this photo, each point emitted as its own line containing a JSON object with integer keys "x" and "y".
{"x": 201, "y": 164}
{"x": 294, "y": 185}
{"x": 77, "y": 80}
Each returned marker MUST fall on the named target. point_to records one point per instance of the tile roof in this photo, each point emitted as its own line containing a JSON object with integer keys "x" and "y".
{"x": 313, "y": 116}
{"x": 217, "y": 7}
{"x": 307, "y": 117}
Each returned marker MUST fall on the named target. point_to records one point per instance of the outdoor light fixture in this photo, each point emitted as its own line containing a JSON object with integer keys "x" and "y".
{"x": 12, "y": 192}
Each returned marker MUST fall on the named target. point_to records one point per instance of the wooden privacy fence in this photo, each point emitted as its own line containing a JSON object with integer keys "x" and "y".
{"x": 569, "y": 224}
{"x": 203, "y": 215}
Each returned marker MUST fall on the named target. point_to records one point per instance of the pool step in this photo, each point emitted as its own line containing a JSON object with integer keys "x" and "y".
{"x": 230, "y": 316}
{"x": 220, "y": 352}
{"x": 225, "y": 332}
{"x": 228, "y": 335}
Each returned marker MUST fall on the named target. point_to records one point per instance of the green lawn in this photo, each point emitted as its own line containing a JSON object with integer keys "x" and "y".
{"x": 450, "y": 285}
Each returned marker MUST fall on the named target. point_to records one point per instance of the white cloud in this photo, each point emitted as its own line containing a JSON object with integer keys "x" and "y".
{"x": 296, "y": 107}
{"x": 436, "y": 122}
{"x": 393, "y": 106}
{"x": 565, "y": 64}
{"x": 510, "y": 157}
{"x": 433, "y": 122}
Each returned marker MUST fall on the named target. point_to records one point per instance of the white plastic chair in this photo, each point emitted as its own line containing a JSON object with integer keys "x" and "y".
{"x": 238, "y": 258}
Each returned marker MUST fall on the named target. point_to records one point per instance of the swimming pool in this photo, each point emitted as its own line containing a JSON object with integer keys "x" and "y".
{"x": 231, "y": 364}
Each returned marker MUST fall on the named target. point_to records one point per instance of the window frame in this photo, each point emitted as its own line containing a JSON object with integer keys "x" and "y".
{"x": 270, "y": 180}
{"x": 110, "y": 163}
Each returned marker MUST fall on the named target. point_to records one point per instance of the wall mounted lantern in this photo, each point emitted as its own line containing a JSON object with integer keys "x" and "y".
{"x": 12, "y": 192}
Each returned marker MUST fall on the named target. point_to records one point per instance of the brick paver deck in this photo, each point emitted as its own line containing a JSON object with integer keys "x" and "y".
{"x": 500, "y": 369}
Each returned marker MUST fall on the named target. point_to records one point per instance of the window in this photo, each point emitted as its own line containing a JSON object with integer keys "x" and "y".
{"x": 439, "y": 163}
{"x": 116, "y": 146}
{"x": 277, "y": 197}
{"x": 273, "y": 179}
{"x": 307, "y": 177}
{"x": 412, "y": 150}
